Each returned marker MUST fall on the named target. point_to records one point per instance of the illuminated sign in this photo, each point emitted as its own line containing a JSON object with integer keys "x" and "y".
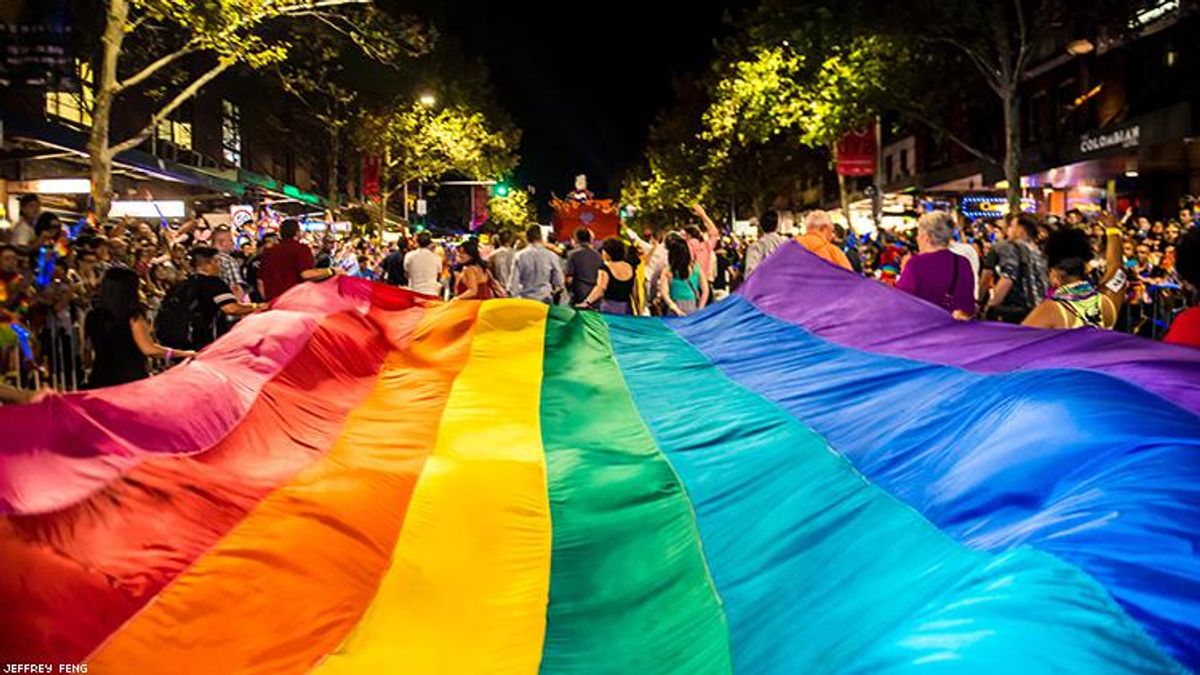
{"x": 241, "y": 214}
{"x": 1128, "y": 137}
{"x": 1152, "y": 14}
{"x": 986, "y": 206}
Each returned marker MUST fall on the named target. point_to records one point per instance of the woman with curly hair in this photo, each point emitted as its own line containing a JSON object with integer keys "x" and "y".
{"x": 1077, "y": 302}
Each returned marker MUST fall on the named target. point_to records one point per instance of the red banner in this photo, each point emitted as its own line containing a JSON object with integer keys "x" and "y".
{"x": 479, "y": 204}
{"x": 370, "y": 176}
{"x": 856, "y": 153}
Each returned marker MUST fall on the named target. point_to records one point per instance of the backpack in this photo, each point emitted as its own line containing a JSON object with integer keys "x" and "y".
{"x": 498, "y": 290}
{"x": 173, "y": 324}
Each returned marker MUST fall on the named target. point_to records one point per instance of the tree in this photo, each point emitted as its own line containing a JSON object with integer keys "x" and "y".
{"x": 167, "y": 36}
{"x": 414, "y": 142}
{"x": 512, "y": 211}
{"x": 329, "y": 67}
{"x": 911, "y": 52}
{"x": 777, "y": 91}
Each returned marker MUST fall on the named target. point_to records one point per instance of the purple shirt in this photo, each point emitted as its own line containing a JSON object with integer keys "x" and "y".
{"x": 929, "y": 276}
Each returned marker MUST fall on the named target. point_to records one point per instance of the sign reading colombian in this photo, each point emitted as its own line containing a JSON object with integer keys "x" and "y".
{"x": 1129, "y": 137}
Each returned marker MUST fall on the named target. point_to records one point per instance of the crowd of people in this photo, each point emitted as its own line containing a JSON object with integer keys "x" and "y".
{"x": 85, "y": 306}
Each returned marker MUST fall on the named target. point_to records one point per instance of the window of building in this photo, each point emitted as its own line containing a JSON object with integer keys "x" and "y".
{"x": 231, "y": 133}
{"x": 904, "y": 170}
{"x": 178, "y": 134}
{"x": 71, "y": 106}
{"x": 887, "y": 168}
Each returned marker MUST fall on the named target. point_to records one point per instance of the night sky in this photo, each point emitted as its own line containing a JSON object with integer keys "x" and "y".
{"x": 583, "y": 81}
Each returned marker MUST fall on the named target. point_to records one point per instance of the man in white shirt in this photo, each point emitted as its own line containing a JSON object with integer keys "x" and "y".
{"x": 957, "y": 245}
{"x": 23, "y": 231}
{"x": 423, "y": 267}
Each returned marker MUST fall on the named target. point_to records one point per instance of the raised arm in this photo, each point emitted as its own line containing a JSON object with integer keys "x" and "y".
{"x": 1113, "y": 248}
{"x": 643, "y": 245}
{"x": 713, "y": 233}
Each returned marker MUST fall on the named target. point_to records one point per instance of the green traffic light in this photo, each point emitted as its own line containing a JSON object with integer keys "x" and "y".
{"x": 501, "y": 189}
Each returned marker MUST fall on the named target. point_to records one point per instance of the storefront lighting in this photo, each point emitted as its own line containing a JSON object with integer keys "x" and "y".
{"x": 148, "y": 209}
{"x": 51, "y": 186}
{"x": 1080, "y": 47}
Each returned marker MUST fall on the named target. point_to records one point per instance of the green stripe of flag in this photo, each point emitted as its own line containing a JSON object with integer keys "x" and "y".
{"x": 629, "y": 590}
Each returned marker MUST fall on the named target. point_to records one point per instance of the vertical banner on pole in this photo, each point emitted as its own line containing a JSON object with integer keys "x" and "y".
{"x": 370, "y": 177}
{"x": 856, "y": 153}
{"x": 479, "y": 201}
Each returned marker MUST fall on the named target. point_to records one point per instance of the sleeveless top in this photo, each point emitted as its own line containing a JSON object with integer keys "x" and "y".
{"x": 617, "y": 290}
{"x": 685, "y": 289}
{"x": 485, "y": 289}
{"x": 1080, "y": 304}
{"x": 118, "y": 359}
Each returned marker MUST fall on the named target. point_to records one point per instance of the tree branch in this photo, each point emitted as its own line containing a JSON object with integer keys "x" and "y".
{"x": 149, "y": 71}
{"x": 955, "y": 138}
{"x": 990, "y": 75}
{"x": 1026, "y": 43}
{"x": 187, "y": 93}
{"x": 193, "y": 45}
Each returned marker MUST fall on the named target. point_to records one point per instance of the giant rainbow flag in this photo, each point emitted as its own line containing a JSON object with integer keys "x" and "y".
{"x": 817, "y": 475}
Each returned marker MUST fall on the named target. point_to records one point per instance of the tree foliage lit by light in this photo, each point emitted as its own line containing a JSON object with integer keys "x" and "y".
{"x": 773, "y": 93}
{"x": 513, "y": 210}
{"x": 154, "y": 48}
{"x": 416, "y": 143}
{"x": 773, "y": 98}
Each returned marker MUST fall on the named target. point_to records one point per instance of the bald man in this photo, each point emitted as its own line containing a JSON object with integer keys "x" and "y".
{"x": 818, "y": 237}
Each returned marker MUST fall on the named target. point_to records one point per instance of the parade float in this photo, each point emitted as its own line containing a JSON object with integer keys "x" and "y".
{"x": 582, "y": 209}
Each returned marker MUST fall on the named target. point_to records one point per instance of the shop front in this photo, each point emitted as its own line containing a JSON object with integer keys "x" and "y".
{"x": 1148, "y": 163}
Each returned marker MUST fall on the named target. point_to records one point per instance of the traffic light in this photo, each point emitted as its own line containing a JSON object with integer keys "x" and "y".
{"x": 500, "y": 189}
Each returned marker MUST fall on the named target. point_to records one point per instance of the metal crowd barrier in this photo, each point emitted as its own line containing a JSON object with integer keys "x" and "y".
{"x": 57, "y": 359}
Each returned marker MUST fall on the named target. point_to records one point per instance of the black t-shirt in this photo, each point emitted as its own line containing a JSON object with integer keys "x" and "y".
{"x": 582, "y": 266}
{"x": 990, "y": 260}
{"x": 393, "y": 269}
{"x": 250, "y": 275}
{"x": 117, "y": 357}
{"x": 211, "y": 294}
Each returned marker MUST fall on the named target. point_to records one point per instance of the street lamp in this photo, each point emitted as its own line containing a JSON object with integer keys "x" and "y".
{"x": 428, "y": 100}
{"x": 1080, "y": 47}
